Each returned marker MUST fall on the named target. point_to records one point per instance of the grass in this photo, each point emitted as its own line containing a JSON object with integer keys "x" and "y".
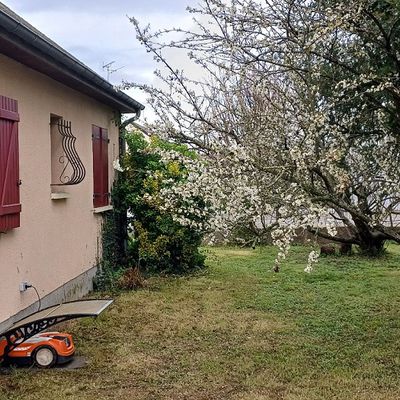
{"x": 238, "y": 331}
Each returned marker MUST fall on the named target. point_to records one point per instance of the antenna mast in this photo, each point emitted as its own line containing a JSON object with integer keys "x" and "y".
{"x": 109, "y": 68}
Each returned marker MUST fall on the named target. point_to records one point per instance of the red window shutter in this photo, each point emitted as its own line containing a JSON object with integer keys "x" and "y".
{"x": 10, "y": 207}
{"x": 104, "y": 166}
{"x": 100, "y": 167}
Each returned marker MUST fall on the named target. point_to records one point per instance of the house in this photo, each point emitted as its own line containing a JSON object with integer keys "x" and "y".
{"x": 59, "y": 137}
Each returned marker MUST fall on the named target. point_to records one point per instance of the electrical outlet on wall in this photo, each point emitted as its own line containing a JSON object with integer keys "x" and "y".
{"x": 23, "y": 286}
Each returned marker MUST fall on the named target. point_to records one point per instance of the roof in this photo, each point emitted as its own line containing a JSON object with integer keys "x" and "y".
{"x": 24, "y": 43}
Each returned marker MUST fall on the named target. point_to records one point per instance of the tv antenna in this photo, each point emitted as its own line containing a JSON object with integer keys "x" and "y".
{"x": 110, "y": 70}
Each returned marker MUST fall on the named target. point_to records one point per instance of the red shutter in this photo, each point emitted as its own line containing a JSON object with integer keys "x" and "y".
{"x": 104, "y": 166}
{"x": 100, "y": 167}
{"x": 10, "y": 206}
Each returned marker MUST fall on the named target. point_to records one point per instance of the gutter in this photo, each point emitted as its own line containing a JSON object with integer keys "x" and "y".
{"x": 51, "y": 59}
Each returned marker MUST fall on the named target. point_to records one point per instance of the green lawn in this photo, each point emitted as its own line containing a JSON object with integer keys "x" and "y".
{"x": 240, "y": 331}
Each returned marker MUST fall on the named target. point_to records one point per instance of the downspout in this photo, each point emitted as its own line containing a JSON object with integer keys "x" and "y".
{"x": 122, "y": 222}
{"x": 122, "y": 126}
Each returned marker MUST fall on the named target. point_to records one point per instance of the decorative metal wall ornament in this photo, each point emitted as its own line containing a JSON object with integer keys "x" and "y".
{"x": 70, "y": 157}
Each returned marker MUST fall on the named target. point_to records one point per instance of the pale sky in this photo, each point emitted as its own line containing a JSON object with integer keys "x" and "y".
{"x": 98, "y": 31}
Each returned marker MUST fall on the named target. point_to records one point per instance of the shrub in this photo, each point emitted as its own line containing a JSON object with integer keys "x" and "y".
{"x": 109, "y": 270}
{"x": 131, "y": 279}
{"x": 157, "y": 243}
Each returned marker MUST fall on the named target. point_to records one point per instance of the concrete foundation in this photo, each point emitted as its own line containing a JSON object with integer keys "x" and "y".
{"x": 73, "y": 290}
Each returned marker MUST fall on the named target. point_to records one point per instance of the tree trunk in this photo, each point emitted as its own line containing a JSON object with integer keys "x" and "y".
{"x": 372, "y": 247}
{"x": 370, "y": 241}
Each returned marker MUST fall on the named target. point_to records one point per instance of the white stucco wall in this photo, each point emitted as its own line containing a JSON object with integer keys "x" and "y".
{"x": 58, "y": 239}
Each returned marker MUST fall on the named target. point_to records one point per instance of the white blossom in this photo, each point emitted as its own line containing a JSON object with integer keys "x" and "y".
{"x": 117, "y": 165}
{"x": 277, "y": 151}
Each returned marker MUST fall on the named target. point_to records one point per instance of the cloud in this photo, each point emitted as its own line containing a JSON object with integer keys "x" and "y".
{"x": 99, "y": 31}
{"x": 103, "y": 34}
{"x": 98, "y": 6}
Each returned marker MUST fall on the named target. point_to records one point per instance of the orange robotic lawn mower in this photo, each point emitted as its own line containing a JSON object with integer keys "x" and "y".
{"x": 26, "y": 343}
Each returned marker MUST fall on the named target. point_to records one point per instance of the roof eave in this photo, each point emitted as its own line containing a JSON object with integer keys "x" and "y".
{"x": 22, "y": 44}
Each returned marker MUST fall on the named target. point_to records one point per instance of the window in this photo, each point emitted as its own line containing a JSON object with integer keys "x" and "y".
{"x": 10, "y": 207}
{"x": 66, "y": 166}
{"x": 100, "y": 141}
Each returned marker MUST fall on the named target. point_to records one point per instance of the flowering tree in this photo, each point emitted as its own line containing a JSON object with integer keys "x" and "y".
{"x": 296, "y": 115}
